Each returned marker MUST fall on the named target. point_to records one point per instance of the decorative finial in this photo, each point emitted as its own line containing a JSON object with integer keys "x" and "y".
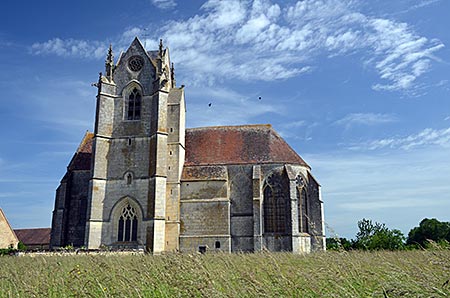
{"x": 109, "y": 63}
{"x": 110, "y": 52}
{"x": 160, "y": 46}
{"x": 172, "y": 76}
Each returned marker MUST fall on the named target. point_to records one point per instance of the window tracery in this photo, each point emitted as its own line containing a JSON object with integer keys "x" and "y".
{"x": 276, "y": 206}
{"x": 134, "y": 105}
{"x": 128, "y": 225}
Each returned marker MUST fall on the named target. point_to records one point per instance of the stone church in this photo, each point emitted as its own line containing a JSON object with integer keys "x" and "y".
{"x": 142, "y": 180}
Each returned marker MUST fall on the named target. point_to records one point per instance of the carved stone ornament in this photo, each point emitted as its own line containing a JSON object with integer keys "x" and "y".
{"x": 135, "y": 63}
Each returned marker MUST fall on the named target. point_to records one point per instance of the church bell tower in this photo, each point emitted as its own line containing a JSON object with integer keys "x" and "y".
{"x": 138, "y": 153}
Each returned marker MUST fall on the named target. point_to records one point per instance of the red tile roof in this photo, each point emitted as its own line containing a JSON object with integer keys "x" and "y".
{"x": 218, "y": 145}
{"x": 39, "y": 236}
{"x": 82, "y": 158}
{"x": 246, "y": 144}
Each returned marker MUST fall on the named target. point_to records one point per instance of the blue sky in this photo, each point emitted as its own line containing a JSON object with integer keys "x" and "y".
{"x": 360, "y": 89}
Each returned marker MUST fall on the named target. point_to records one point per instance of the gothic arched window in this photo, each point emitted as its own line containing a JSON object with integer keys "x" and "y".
{"x": 276, "y": 207}
{"x": 302, "y": 199}
{"x": 303, "y": 210}
{"x": 128, "y": 225}
{"x": 134, "y": 105}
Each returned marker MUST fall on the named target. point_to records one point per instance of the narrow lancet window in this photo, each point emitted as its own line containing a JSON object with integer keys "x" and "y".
{"x": 302, "y": 199}
{"x": 134, "y": 105}
{"x": 302, "y": 210}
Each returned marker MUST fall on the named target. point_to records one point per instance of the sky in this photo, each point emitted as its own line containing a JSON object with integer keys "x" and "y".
{"x": 360, "y": 89}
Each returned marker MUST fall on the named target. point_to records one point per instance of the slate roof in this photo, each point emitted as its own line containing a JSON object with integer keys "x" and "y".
{"x": 246, "y": 144}
{"x": 40, "y": 236}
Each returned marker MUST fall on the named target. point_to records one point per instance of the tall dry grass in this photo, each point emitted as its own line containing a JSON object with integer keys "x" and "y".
{"x": 328, "y": 274}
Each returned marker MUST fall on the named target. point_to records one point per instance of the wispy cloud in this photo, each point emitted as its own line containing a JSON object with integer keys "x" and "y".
{"x": 366, "y": 119}
{"x": 164, "y": 4}
{"x": 424, "y": 3}
{"x": 264, "y": 40}
{"x": 297, "y": 130}
{"x": 294, "y": 124}
{"x": 403, "y": 56}
{"x": 226, "y": 107}
{"x": 70, "y": 48}
{"x": 419, "y": 5}
{"x": 426, "y": 137}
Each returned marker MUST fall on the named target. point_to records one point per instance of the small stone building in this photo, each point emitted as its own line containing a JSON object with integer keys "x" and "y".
{"x": 142, "y": 180}
{"x": 7, "y": 237}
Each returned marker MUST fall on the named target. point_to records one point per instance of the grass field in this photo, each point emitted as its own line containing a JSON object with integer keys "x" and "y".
{"x": 328, "y": 274}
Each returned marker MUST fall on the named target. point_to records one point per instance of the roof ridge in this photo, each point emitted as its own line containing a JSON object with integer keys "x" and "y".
{"x": 232, "y": 126}
{"x": 274, "y": 132}
{"x": 27, "y": 229}
{"x": 87, "y": 136}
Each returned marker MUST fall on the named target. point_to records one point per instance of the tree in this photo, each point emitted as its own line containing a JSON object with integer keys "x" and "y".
{"x": 339, "y": 244}
{"x": 429, "y": 229}
{"x": 375, "y": 236}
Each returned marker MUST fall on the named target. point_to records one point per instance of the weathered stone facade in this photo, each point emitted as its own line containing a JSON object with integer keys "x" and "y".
{"x": 8, "y": 238}
{"x": 151, "y": 183}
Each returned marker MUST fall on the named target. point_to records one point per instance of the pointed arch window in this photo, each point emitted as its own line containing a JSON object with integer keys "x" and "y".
{"x": 274, "y": 212}
{"x": 128, "y": 225}
{"x": 275, "y": 208}
{"x": 134, "y": 105}
{"x": 302, "y": 199}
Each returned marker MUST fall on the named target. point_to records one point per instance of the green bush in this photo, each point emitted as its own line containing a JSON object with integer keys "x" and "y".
{"x": 376, "y": 236}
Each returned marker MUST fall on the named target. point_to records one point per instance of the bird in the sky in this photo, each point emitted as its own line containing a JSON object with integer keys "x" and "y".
{"x": 260, "y": 98}
{"x": 209, "y": 104}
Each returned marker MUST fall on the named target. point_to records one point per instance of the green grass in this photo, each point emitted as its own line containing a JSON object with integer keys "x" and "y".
{"x": 328, "y": 274}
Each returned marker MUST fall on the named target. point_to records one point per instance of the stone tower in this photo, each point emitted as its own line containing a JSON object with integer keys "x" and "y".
{"x": 138, "y": 153}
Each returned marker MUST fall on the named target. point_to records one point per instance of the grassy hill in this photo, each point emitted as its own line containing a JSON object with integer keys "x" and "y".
{"x": 328, "y": 274}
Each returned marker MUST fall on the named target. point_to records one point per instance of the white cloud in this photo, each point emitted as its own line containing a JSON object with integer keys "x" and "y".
{"x": 70, "y": 48}
{"x": 366, "y": 119}
{"x": 403, "y": 55}
{"x": 421, "y": 4}
{"x": 164, "y": 4}
{"x": 264, "y": 40}
{"x": 426, "y": 137}
{"x": 295, "y": 124}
